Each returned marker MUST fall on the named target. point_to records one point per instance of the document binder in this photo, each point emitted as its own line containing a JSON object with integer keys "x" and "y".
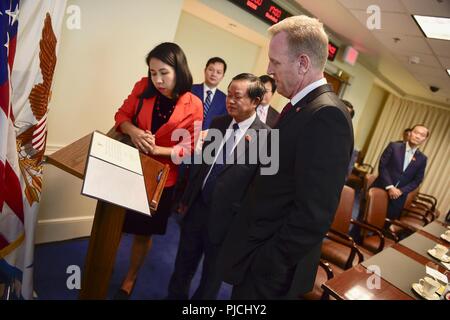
{"x": 119, "y": 174}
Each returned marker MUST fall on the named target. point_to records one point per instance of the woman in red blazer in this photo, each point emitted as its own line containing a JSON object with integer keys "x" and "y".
{"x": 158, "y": 105}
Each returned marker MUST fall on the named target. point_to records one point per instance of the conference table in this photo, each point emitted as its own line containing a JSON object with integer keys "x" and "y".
{"x": 389, "y": 275}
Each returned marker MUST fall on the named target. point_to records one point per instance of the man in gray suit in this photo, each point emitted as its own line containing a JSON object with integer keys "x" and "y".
{"x": 214, "y": 193}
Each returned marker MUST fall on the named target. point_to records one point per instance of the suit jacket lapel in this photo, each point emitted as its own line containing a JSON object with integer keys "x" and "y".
{"x": 246, "y": 140}
{"x": 303, "y": 103}
{"x": 402, "y": 151}
{"x": 272, "y": 116}
{"x": 222, "y": 127}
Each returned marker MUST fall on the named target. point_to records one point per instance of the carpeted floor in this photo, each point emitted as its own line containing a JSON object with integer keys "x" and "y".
{"x": 53, "y": 259}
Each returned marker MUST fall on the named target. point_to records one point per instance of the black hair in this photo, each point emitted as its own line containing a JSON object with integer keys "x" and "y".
{"x": 171, "y": 54}
{"x": 217, "y": 60}
{"x": 407, "y": 130}
{"x": 256, "y": 89}
{"x": 266, "y": 78}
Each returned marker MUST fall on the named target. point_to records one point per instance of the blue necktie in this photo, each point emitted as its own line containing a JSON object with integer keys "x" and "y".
{"x": 207, "y": 103}
{"x": 218, "y": 165}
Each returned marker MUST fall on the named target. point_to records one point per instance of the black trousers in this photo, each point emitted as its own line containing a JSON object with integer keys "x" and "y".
{"x": 257, "y": 287}
{"x": 395, "y": 207}
{"x": 193, "y": 244}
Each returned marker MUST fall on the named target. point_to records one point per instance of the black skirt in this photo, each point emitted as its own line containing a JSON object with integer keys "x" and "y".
{"x": 140, "y": 224}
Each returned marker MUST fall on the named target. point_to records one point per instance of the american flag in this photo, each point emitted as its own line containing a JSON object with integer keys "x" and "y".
{"x": 11, "y": 201}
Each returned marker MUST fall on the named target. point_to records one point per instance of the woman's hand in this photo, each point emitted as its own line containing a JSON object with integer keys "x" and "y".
{"x": 143, "y": 140}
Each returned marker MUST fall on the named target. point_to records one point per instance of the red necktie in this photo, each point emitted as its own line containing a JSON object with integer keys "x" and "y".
{"x": 284, "y": 111}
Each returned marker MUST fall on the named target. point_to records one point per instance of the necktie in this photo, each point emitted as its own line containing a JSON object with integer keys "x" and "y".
{"x": 218, "y": 165}
{"x": 285, "y": 110}
{"x": 207, "y": 103}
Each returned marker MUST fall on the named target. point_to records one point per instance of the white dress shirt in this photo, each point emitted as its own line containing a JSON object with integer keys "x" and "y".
{"x": 310, "y": 87}
{"x": 409, "y": 153}
{"x": 262, "y": 111}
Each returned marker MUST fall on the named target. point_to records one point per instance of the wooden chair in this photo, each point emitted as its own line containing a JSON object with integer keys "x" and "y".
{"x": 376, "y": 216}
{"x": 339, "y": 248}
{"x": 324, "y": 273}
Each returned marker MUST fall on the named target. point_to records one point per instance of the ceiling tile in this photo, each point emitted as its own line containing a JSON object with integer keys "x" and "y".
{"x": 445, "y": 62}
{"x": 427, "y": 71}
{"x": 407, "y": 45}
{"x": 440, "y": 47}
{"x": 392, "y": 22}
{"x": 441, "y": 83}
{"x": 425, "y": 59}
{"x": 385, "y": 5}
{"x": 428, "y": 7}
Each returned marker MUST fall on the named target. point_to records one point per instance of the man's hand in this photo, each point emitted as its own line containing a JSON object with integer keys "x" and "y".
{"x": 394, "y": 193}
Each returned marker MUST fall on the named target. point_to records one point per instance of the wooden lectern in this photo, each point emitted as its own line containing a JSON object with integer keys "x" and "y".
{"x": 108, "y": 220}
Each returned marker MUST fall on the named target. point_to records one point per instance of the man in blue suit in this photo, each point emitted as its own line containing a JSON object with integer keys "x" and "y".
{"x": 214, "y": 105}
{"x": 401, "y": 169}
{"x": 213, "y": 99}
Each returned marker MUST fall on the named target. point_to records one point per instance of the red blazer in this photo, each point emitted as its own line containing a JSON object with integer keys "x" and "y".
{"x": 189, "y": 109}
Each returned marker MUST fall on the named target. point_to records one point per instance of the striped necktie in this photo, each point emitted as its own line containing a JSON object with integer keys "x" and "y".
{"x": 219, "y": 164}
{"x": 207, "y": 103}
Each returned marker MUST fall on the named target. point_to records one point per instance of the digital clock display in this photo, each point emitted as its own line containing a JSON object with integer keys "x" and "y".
{"x": 332, "y": 51}
{"x": 266, "y": 10}
{"x": 271, "y": 13}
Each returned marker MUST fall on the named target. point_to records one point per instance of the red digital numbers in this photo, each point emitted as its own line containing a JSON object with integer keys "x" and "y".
{"x": 275, "y": 11}
{"x": 266, "y": 10}
{"x": 332, "y": 49}
{"x": 254, "y": 4}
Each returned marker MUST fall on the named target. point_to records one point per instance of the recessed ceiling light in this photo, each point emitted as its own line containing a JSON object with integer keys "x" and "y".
{"x": 434, "y": 27}
{"x": 448, "y": 71}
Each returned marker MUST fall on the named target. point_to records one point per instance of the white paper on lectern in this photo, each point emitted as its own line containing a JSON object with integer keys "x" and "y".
{"x": 114, "y": 174}
{"x": 117, "y": 185}
{"x": 115, "y": 152}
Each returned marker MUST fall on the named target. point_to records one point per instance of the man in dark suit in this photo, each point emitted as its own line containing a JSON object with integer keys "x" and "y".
{"x": 216, "y": 189}
{"x": 401, "y": 169}
{"x": 213, "y": 106}
{"x": 265, "y": 111}
{"x": 273, "y": 247}
{"x": 213, "y": 99}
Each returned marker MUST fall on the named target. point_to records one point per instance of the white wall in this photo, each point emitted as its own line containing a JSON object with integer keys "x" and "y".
{"x": 99, "y": 64}
{"x": 96, "y": 70}
{"x": 201, "y": 41}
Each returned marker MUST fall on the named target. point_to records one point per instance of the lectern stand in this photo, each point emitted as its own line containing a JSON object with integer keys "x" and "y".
{"x": 107, "y": 226}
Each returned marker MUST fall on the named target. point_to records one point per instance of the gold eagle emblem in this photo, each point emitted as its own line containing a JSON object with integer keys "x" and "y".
{"x": 30, "y": 158}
